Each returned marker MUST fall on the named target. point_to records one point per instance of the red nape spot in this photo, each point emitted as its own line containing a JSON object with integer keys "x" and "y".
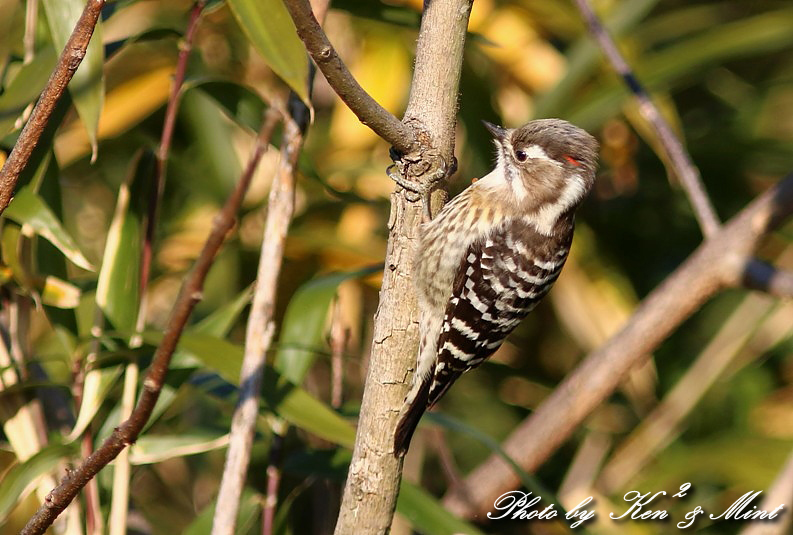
{"x": 572, "y": 160}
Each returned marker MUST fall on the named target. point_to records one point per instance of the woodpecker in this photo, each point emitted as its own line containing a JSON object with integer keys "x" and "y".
{"x": 492, "y": 253}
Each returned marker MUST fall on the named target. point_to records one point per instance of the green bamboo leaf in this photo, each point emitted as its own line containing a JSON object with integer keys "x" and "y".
{"x": 303, "y": 410}
{"x": 9, "y": 248}
{"x": 221, "y": 320}
{"x": 18, "y": 481}
{"x": 240, "y": 103}
{"x": 59, "y": 293}
{"x": 183, "y": 364}
{"x": 149, "y": 449}
{"x": 211, "y": 139}
{"x": 271, "y": 30}
{"x": 303, "y": 329}
{"x": 281, "y": 396}
{"x": 332, "y": 464}
{"x": 28, "y": 208}
{"x": 427, "y": 515}
{"x": 87, "y": 87}
{"x": 250, "y": 509}
{"x": 98, "y": 383}
{"x": 119, "y": 277}
{"x": 219, "y": 355}
{"x": 25, "y": 88}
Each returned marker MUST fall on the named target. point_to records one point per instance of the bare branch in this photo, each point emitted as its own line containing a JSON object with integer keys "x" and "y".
{"x": 70, "y": 59}
{"x": 719, "y": 262}
{"x": 339, "y": 338}
{"x": 375, "y": 473}
{"x": 765, "y": 277}
{"x": 163, "y": 150}
{"x": 679, "y": 159}
{"x": 189, "y": 294}
{"x": 273, "y": 481}
{"x": 259, "y": 331}
{"x": 664, "y": 423}
{"x": 372, "y": 114}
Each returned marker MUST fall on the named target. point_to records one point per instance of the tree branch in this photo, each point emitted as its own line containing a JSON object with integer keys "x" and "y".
{"x": 189, "y": 294}
{"x": 375, "y": 473}
{"x": 372, "y": 114}
{"x": 678, "y": 157}
{"x": 747, "y": 325}
{"x": 69, "y": 61}
{"x": 259, "y": 332}
{"x": 717, "y": 263}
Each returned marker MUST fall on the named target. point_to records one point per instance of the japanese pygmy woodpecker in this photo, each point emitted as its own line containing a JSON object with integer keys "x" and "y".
{"x": 492, "y": 253}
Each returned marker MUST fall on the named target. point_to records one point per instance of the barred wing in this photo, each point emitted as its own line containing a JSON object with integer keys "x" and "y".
{"x": 501, "y": 279}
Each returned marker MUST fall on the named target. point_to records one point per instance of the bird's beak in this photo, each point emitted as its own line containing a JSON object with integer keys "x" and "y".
{"x": 498, "y": 132}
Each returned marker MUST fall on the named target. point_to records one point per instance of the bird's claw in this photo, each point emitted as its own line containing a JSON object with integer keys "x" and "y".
{"x": 416, "y": 190}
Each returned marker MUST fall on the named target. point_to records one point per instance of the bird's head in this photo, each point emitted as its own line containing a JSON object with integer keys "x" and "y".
{"x": 547, "y": 165}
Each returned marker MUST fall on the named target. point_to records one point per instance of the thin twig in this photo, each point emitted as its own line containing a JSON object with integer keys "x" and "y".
{"x": 260, "y": 326}
{"x": 372, "y": 114}
{"x": 273, "y": 480}
{"x": 189, "y": 294}
{"x": 339, "y": 337}
{"x": 121, "y": 475}
{"x": 70, "y": 59}
{"x": 158, "y": 181}
{"x": 718, "y": 263}
{"x": 259, "y": 331}
{"x": 94, "y": 523}
{"x": 29, "y": 39}
{"x": 678, "y": 157}
{"x": 439, "y": 443}
{"x": 765, "y": 277}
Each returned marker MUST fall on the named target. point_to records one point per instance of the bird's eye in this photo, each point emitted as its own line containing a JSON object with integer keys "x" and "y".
{"x": 521, "y": 155}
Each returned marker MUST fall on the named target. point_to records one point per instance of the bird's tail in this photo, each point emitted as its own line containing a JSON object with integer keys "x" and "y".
{"x": 415, "y": 405}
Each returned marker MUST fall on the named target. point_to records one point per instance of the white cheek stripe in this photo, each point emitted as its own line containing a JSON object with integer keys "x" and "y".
{"x": 535, "y": 152}
{"x": 546, "y": 217}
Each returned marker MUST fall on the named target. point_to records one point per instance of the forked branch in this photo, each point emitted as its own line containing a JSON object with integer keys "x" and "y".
{"x": 368, "y": 110}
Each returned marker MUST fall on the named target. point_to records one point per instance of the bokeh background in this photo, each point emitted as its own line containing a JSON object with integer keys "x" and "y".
{"x": 714, "y": 405}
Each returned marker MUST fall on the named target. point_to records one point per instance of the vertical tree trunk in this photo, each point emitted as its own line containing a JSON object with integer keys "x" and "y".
{"x": 374, "y": 476}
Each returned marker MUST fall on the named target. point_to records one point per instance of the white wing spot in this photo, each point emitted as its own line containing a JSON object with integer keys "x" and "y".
{"x": 456, "y": 352}
{"x": 547, "y": 266}
{"x": 531, "y": 279}
{"x": 465, "y": 329}
{"x": 476, "y": 302}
